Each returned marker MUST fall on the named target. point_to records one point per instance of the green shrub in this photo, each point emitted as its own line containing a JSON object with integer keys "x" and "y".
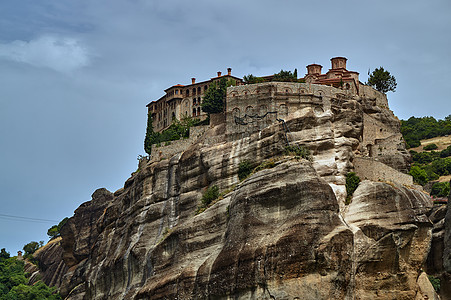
{"x": 435, "y": 282}
{"x": 445, "y": 152}
{"x": 244, "y": 169}
{"x": 352, "y": 182}
{"x": 212, "y": 193}
{"x": 298, "y": 150}
{"x": 267, "y": 164}
{"x": 430, "y": 147}
{"x": 440, "y": 189}
{"x": 419, "y": 175}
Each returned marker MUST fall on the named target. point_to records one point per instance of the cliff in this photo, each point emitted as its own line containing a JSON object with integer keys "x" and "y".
{"x": 285, "y": 232}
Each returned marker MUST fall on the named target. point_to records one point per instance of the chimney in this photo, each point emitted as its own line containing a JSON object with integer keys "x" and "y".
{"x": 193, "y": 80}
{"x": 219, "y": 74}
{"x": 229, "y": 71}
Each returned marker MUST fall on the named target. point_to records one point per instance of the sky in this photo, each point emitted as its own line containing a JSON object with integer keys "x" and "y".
{"x": 75, "y": 78}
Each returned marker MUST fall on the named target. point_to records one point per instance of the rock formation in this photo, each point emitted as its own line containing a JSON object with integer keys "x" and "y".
{"x": 285, "y": 232}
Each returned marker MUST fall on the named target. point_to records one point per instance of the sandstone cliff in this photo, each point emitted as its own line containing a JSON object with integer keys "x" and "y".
{"x": 283, "y": 233}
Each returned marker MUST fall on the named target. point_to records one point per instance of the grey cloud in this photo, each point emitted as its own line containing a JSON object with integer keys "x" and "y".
{"x": 62, "y": 54}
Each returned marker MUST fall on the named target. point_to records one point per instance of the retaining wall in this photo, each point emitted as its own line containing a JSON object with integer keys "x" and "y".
{"x": 367, "y": 168}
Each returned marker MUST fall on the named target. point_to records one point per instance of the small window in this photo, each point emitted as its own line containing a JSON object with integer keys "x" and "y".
{"x": 194, "y": 91}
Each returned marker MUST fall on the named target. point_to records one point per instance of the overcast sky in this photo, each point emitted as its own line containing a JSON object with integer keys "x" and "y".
{"x": 75, "y": 78}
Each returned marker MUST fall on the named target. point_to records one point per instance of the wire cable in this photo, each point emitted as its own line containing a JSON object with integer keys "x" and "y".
{"x": 26, "y": 219}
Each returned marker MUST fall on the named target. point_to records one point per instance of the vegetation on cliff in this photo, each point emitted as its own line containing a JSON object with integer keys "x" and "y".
{"x": 13, "y": 281}
{"x": 54, "y": 231}
{"x": 177, "y": 131}
{"x": 382, "y": 81}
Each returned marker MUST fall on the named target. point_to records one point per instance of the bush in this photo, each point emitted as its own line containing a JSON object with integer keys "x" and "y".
{"x": 446, "y": 152}
{"x": 244, "y": 169}
{"x": 435, "y": 282}
{"x": 211, "y": 194}
{"x": 298, "y": 150}
{"x": 352, "y": 182}
{"x": 419, "y": 175}
{"x": 440, "y": 189}
{"x": 430, "y": 147}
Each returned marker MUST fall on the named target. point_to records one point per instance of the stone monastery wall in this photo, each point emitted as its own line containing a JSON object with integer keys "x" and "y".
{"x": 168, "y": 149}
{"x": 276, "y": 100}
{"x": 368, "y": 168}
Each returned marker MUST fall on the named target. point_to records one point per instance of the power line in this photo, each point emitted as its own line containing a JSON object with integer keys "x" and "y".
{"x": 26, "y": 219}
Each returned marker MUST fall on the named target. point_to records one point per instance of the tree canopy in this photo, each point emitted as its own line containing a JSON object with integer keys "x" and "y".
{"x": 13, "y": 281}
{"x": 416, "y": 129}
{"x": 214, "y": 98}
{"x": 286, "y": 76}
{"x": 382, "y": 81}
{"x": 54, "y": 231}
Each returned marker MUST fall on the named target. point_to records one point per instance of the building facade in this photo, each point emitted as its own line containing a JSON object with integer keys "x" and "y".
{"x": 184, "y": 100}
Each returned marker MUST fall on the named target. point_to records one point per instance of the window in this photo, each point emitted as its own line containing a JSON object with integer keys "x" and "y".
{"x": 194, "y": 91}
{"x": 199, "y": 90}
{"x": 187, "y": 93}
{"x": 194, "y": 112}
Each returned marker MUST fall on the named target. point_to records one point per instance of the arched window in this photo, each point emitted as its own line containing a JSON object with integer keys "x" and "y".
{"x": 236, "y": 112}
{"x": 199, "y": 90}
{"x": 194, "y": 101}
{"x": 249, "y": 111}
{"x": 187, "y": 93}
{"x": 198, "y": 111}
{"x": 194, "y": 91}
{"x": 205, "y": 88}
{"x": 194, "y": 112}
{"x": 283, "y": 110}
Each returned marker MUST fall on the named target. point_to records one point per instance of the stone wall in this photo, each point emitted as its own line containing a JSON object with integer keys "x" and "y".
{"x": 368, "y": 168}
{"x": 371, "y": 94}
{"x": 276, "y": 100}
{"x": 168, "y": 149}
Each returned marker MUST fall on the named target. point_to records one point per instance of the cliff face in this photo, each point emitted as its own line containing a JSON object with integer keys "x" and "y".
{"x": 283, "y": 233}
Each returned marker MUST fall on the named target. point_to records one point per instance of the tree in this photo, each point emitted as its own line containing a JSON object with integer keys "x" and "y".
{"x": 214, "y": 97}
{"x": 151, "y": 136}
{"x": 419, "y": 175}
{"x": 286, "y": 76}
{"x": 54, "y": 231}
{"x": 382, "y": 81}
{"x": 31, "y": 247}
{"x": 250, "y": 79}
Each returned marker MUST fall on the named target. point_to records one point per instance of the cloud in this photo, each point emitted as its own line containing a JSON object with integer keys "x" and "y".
{"x": 58, "y": 53}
